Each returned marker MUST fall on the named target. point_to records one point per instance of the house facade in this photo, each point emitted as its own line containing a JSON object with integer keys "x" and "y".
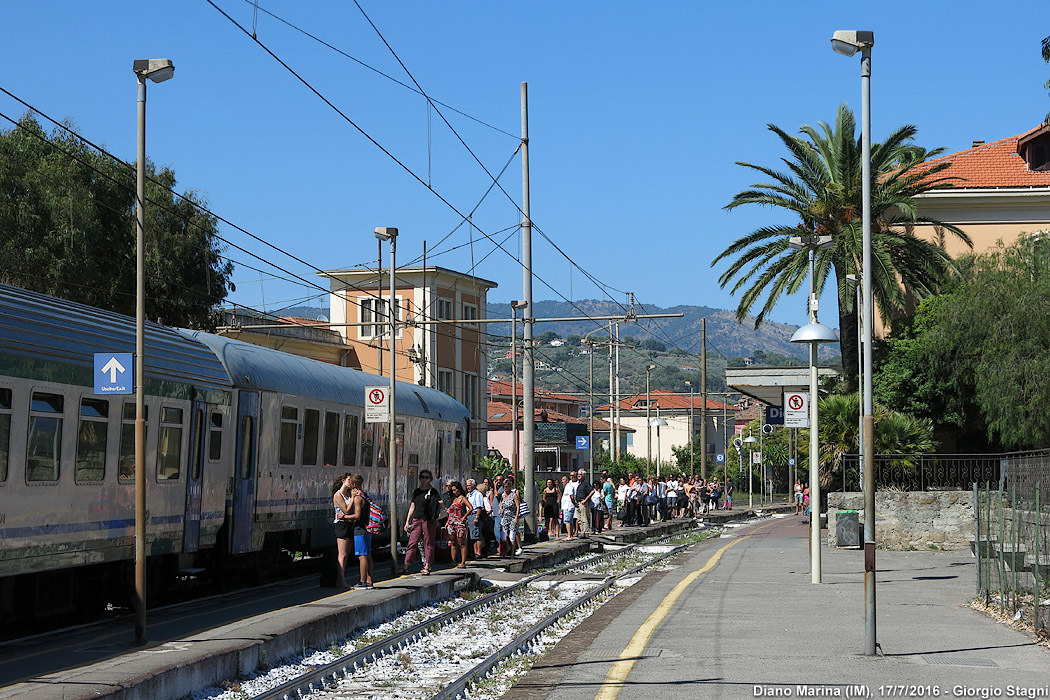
{"x": 683, "y": 415}
{"x": 438, "y": 342}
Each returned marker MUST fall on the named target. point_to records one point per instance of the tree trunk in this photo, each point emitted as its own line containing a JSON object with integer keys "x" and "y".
{"x": 848, "y": 339}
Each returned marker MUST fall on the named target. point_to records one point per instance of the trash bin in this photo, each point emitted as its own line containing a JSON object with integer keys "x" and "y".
{"x": 847, "y": 528}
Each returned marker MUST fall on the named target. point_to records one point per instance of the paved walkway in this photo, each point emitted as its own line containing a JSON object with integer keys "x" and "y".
{"x": 752, "y": 625}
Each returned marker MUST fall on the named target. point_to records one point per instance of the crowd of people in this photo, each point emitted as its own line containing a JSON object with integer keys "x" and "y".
{"x": 487, "y": 518}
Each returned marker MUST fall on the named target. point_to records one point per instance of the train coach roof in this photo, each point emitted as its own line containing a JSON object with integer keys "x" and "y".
{"x": 257, "y": 368}
{"x": 41, "y": 328}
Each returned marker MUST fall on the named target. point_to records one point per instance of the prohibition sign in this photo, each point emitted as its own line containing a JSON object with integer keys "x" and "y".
{"x": 795, "y": 402}
{"x": 376, "y": 396}
{"x": 377, "y": 404}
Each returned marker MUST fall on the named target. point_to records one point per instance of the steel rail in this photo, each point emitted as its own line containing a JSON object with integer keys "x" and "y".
{"x": 330, "y": 673}
{"x": 458, "y": 688}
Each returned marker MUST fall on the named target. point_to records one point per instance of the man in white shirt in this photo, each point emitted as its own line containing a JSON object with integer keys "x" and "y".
{"x": 568, "y": 505}
{"x": 476, "y": 517}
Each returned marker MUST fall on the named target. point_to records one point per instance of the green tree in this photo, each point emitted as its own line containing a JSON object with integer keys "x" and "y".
{"x": 986, "y": 347}
{"x": 822, "y": 190}
{"x": 67, "y": 228}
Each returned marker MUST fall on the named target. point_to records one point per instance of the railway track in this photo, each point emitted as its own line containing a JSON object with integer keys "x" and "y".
{"x": 443, "y": 656}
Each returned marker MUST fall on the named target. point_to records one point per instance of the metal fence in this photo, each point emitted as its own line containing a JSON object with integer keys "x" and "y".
{"x": 924, "y": 472}
{"x": 1010, "y": 543}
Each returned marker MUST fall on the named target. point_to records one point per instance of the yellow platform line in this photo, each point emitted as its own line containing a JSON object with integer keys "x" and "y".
{"x": 617, "y": 675}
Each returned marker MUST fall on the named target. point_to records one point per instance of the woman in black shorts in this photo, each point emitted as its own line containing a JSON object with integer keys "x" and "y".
{"x": 551, "y": 506}
{"x": 342, "y": 499}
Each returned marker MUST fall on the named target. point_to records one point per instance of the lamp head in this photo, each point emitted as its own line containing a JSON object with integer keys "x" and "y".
{"x": 657, "y": 423}
{"x": 518, "y": 304}
{"x": 814, "y": 333}
{"x": 386, "y": 233}
{"x": 650, "y": 368}
{"x": 156, "y": 69}
{"x": 848, "y": 42}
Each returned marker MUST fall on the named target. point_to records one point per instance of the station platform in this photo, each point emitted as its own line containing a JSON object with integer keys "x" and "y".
{"x": 205, "y": 643}
{"x": 738, "y": 617}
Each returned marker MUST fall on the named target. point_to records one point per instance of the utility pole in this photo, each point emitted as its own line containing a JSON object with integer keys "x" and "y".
{"x": 613, "y": 432}
{"x": 617, "y": 373}
{"x": 703, "y": 399}
{"x": 528, "y": 369}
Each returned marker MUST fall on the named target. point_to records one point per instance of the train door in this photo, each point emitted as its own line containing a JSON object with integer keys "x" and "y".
{"x": 191, "y": 530}
{"x": 244, "y": 471}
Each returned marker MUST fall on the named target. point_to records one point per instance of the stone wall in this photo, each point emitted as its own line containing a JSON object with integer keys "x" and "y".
{"x": 911, "y": 520}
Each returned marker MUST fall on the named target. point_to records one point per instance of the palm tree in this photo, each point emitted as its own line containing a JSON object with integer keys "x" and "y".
{"x": 822, "y": 188}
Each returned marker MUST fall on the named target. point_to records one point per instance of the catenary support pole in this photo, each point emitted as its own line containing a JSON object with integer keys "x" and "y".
{"x": 528, "y": 359}
{"x": 703, "y": 399}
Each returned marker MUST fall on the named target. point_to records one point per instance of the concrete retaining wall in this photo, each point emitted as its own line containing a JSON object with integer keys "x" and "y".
{"x": 920, "y": 520}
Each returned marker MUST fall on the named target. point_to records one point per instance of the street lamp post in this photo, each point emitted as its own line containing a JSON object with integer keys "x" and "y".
{"x": 750, "y": 440}
{"x": 813, "y": 333}
{"x": 648, "y": 423}
{"x": 158, "y": 70}
{"x": 848, "y": 43}
{"x": 388, "y": 233}
{"x": 514, "y": 306}
{"x": 658, "y": 422}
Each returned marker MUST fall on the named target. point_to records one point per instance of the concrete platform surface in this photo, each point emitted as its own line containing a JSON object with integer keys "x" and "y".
{"x": 753, "y": 625}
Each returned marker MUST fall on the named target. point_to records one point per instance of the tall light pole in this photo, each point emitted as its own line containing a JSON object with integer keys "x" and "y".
{"x": 388, "y": 233}
{"x": 750, "y": 440}
{"x": 158, "y": 70}
{"x": 514, "y": 306}
{"x": 813, "y": 333}
{"x": 848, "y": 43}
{"x": 648, "y": 423}
{"x": 692, "y": 457}
{"x": 658, "y": 422}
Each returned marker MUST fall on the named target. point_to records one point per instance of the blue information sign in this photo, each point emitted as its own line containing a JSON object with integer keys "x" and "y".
{"x": 583, "y": 442}
{"x": 791, "y": 461}
{"x": 114, "y": 373}
{"x": 775, "y": 415}
{"x": 720, "y": 457}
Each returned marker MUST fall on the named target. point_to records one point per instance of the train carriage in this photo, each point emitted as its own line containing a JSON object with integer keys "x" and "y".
{"x": 242, "y": 444}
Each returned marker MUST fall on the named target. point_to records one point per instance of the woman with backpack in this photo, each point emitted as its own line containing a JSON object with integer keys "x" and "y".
{"x": 359, "y": 510}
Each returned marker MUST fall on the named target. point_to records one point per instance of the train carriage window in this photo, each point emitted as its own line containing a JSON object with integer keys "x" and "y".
{"x": 215, "y": 437}
{"x": 439, "y": 452}
{"x": 247, "y": 441}
{"x": 197, "y": 446}
{"x": 5, "y": 432}
{"x": 331, "y": 439}
{"x": 382, "y": 442}
{"x": 367, "y": 444}
{"x": 126, "y": 464}
{"x": 311, "y": 435}
{"x": 459, "y": 451}
{"x": 169, "y": 451}
{"x": 91, "y": 440}
{"x": 350, "y": 441}
{"x": 44, "y": 449}
{"x": 399, "y": 442}
{"x": 289, "y": 433}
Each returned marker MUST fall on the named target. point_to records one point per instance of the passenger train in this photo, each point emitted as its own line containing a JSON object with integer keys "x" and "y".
{"x": 242, "y": 446}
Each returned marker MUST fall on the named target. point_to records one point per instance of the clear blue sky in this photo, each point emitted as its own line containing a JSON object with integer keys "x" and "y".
{"x": 638, "y": 112}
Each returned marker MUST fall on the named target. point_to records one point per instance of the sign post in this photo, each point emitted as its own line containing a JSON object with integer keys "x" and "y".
{"x": 113, "y": 373}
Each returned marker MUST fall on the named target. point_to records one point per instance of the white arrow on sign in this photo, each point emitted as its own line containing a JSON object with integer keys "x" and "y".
{"x": 113, "y": 367}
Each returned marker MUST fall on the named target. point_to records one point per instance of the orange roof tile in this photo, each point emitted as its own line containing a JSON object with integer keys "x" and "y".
{"x": 991, "y": 165}
{"x": 498, "y": 387}
{"x": 668, "y": 400}
{"x": 499, "y": 412}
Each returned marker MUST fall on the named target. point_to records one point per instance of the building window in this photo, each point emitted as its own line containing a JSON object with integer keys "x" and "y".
{"x": 444, "y": 309}
{"x": 373, "y": 313}
{"x": 445, "y": 382}
{"x": 470, "y": 313}
{"x": 470, "y": 393}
